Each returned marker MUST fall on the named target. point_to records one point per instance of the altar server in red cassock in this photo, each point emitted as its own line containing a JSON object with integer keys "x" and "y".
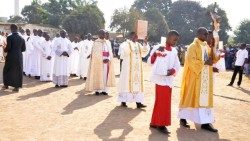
{"x": 165, "y": 66}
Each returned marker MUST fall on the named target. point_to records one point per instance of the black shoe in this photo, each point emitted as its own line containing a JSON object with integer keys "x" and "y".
{"x": 15, "y": 90}
{"x": 153, "y": 126}
{"x": 139, "y": 105}
{"x": 183, "y": 122}
{"x": 57, "y": 86}
{"x": 229, "y": 84}
{"x": 85, "y": 78}
{"x": 37, "y": 77}
{"x": 123, "y": 104}
{"x": 5, "y": 87}
{"x": 208, "y": 127}
{"x": 97, "y": 93}
{"x": 238, "y": 85}
{"x": 24, "y": 74}
{"x": 104, "y": 93}
{"x": 163, "y": 129}
{"x": 64, "y": 86}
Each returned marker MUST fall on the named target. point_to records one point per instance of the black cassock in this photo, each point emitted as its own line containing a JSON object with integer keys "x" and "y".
{"x": 13, "y": 68}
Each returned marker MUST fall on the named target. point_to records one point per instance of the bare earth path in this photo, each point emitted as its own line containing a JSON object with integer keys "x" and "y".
{"x": 39, "y": 112}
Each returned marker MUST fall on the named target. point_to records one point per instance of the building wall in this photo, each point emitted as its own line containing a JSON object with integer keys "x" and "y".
{"x": 5, "y": 27}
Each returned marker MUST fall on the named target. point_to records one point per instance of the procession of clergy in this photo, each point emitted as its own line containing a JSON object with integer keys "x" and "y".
{"x": 91, "y": 60}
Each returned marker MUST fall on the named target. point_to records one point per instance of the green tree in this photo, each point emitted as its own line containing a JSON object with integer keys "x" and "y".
{"x": 243, "y": 32}
{"x": 124, "y": 20}
{"x": 157, "y": 25}
{"x": 16, "y": 19}
{"x": 86, "y": 19}
{"x": 145, "y": 5}
{"x": 34, "y": 13}
{"x": 186, "y": 17}
{"x": 120, "y": 20}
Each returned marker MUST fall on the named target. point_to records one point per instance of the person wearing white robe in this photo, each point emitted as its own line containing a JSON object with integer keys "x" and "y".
{"x": 28, "y": 53}
{"x": 47, "y": 62}
{"x": 131, "y": 77}
{"x": 101, "y": 71}
{"x": 85, "y": 51}
{"x": 62, "y": 50}
{"x": 37, "y": 54}
{"x": 22, "y": 34}
{"x": 74, "y": 57}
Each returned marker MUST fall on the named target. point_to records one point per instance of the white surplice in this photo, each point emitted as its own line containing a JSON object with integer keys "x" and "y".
{"x": 61, "y": 66}
{"x": 74, "y": 58}
{"x": 162, "y": 64}
{"x": 47, "y": 65}
{"x": 131, "y": 77}
{"x": 85, "y": 49}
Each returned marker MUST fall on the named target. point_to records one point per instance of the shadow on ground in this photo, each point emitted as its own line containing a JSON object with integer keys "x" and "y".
{"x": 185, "y": 134}
{"x": 41, "y": 93}
{"x": 117, "y": 121}
{"x": 82, "y": 101}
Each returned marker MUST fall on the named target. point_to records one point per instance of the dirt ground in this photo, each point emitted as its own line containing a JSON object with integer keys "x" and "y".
{"x": 40, "y": 112}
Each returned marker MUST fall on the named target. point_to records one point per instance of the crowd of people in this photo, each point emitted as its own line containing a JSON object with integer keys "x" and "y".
{"x": 56, "y": 60}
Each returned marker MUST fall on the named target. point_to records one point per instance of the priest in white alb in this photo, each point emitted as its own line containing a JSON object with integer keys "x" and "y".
{"x": 37, "y": 44}
{"x": 47, "y": 62}
{"x": 74, "y": 57}
{"x": 131, "y": 77}
{"x": 85, "y": 51}
{"x": 35, "y": 69}
{"x": 101, "y": 68}
{"x": 196, "y": 101}
{"x": 62, "y": 49}
{"x": 29, "y": 54}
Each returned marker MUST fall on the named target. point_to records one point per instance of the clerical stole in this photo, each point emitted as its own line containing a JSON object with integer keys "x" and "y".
{"x": 204, "y": 91}
{"x": 135, "y": 72}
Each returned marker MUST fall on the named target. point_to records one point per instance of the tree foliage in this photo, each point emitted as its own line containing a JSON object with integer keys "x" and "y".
{"x": 82, "y": 15}
{"x": 145, "y": 5}
{"x": 243, "y": 32}
{"x": 34, "y": 13}
{"x": 16, "y": 19}
{"x": 157, "y": 25}
{"x": 124, "y": 20}
{"x": 186, "y": 17}
{"x": 86, "y": 19}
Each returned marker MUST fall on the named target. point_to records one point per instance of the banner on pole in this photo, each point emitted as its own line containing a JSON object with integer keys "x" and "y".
{"x": 142, "y": 29}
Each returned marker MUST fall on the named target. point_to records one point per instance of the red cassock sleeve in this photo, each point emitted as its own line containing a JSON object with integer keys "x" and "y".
{"x": 153, "y": 58}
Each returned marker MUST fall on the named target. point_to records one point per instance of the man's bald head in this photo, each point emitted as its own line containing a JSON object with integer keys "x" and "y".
{"x": 202, "y": 33}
